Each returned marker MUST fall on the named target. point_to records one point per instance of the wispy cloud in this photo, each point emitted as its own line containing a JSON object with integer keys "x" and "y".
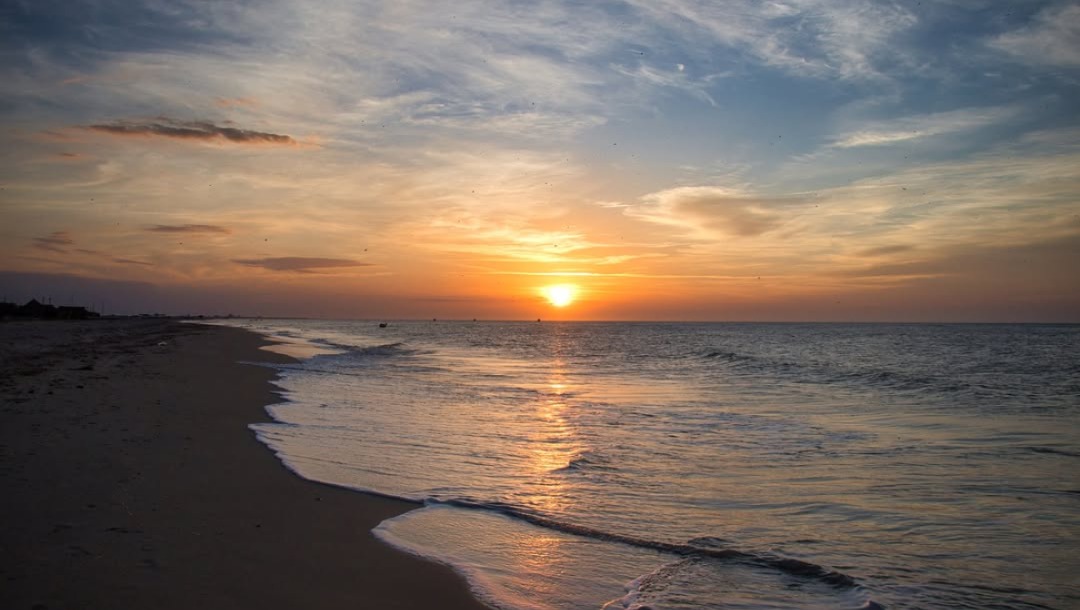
{"x": 924, "y": 126}
{"x": 882, "y": 229}
{"x": 57, "y": 241}
{"x": 504, "y": 240}
{"x": 128, "y": 261}
{"x": 1053, "y": 37}
{"x": 164, "y": 127}
{"x": 818, "y": 39}
{"x": 300, "y": 264}
{"x": 233, "y": 102}
{"x": 1041, "y": 262}
{"x": 60, "y": 242}
{"x": 885, "y": 250}
{"x": 712, "y": 209}
{"x": 191, "y": 228}
{"x": 674, "y": 77}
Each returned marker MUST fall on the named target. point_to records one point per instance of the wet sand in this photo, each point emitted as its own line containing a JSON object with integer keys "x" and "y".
{"x": 131, "y": 480}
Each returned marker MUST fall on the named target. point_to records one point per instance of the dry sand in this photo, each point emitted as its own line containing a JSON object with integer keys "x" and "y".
{"x": 130, "y": 479}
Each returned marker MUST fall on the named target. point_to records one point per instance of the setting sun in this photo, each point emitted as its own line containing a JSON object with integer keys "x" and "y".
{"x": 560, "y": 295}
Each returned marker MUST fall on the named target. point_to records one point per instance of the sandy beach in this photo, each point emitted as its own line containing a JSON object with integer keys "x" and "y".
{"x": 131, "y": 480}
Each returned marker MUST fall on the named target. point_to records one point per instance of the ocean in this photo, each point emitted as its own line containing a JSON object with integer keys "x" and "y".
{"x": 704, "y": 465}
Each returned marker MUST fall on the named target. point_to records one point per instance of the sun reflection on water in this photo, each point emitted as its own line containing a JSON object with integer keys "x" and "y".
{"x": 553, "y": 443}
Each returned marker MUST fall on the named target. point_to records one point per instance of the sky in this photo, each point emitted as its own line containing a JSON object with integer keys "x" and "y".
{"x": 800, "y": 160}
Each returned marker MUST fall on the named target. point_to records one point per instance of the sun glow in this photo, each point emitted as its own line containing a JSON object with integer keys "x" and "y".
{"x": 560, "y": 295}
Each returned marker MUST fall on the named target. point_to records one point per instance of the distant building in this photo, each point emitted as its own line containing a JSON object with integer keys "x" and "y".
{"x": 40, "y": 311}
{"x": 37, "y": 309}
{"x": 8, "y": 310}
{"x": 72, "y": 312}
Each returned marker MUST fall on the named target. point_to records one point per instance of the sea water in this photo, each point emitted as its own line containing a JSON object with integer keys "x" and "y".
{"x": 670, "y": 465}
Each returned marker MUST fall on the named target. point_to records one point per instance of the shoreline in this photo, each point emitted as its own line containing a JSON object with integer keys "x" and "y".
{"x": 132, "y": 479}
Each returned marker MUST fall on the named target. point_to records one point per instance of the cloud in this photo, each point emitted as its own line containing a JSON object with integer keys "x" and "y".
{"x": 59, "y": 241}
{"x": 819, "y": 39}
{"x": 188, "y": 229}
{"x": 232, "y": 102}
{"x": 164, "y": 127}
{"x": 1052, "y": 38}
{"x": 299, "y": 264}
{"x": 1044, "y": 264}
{"x": 924, "y": 126}
{"x": 56, "y": 241}
{"x": 712, "y": 209}
{"x": 504, "y": 239}
{"x": 885, "y": 250}
{"x": 651, "y": 77}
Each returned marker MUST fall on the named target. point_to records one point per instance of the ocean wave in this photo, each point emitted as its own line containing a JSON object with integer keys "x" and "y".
{"x": 1053, "y": 451}
{"x": 786, "y": 565}
{"x": 823, "y": 373}
{"x": 729, "y": 356}
{"x": 398, "y": 348}
{"x": 671, "y": 579}
{"x": 583, "y": 460}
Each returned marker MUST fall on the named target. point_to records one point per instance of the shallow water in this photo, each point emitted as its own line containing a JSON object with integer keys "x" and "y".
{"x": 578, "y": 465}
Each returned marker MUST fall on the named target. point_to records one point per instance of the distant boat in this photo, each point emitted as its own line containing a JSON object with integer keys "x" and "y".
{"x": 382, "y": 324}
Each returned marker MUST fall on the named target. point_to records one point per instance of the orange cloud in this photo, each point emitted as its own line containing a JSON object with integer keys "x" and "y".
{"x": 714, "y": 209}
{"x": 63, "y": 157}
{"x": 189, "y": 229}
{"x": 230, "y": 102}
{"x": 74, "y": 80}
{"x": 885, "y": 250}
{"x": 57, "y": 241}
